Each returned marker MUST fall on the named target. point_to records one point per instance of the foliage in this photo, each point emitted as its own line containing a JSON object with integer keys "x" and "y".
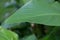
{"x": 43, "y": 14}
{"x": 46, "y": 12}
{"x": 7, "y": 35}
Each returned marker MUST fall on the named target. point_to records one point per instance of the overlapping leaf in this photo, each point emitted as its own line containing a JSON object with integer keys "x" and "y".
{"x": 7, "y": 35}
{"x": 37, "y": 11}
{"x": 31, "y": 37}
{"x": 54, "y": 35}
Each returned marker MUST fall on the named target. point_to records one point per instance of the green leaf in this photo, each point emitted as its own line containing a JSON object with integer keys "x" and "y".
{"x": 31, "y": 37}
{"x": 7, "y": 35}
{"x": 25, "y": 1}
{"x": 54, "y": 34}
{"x": 37, "y": 11}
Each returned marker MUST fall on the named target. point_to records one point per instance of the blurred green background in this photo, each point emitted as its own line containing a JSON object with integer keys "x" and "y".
{"x": 8, "y": 7}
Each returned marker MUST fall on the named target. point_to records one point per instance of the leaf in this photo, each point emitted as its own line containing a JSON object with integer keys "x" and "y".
{"x": 7, "y": 35}
{"x": 37, "y": 11}
{"x": 54, "y": 34}
{"x": 25, "y": 1}
{"x": 31, "y": 37}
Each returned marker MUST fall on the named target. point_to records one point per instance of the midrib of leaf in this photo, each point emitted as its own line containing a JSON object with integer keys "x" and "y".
{"x": 29, "y": 16}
